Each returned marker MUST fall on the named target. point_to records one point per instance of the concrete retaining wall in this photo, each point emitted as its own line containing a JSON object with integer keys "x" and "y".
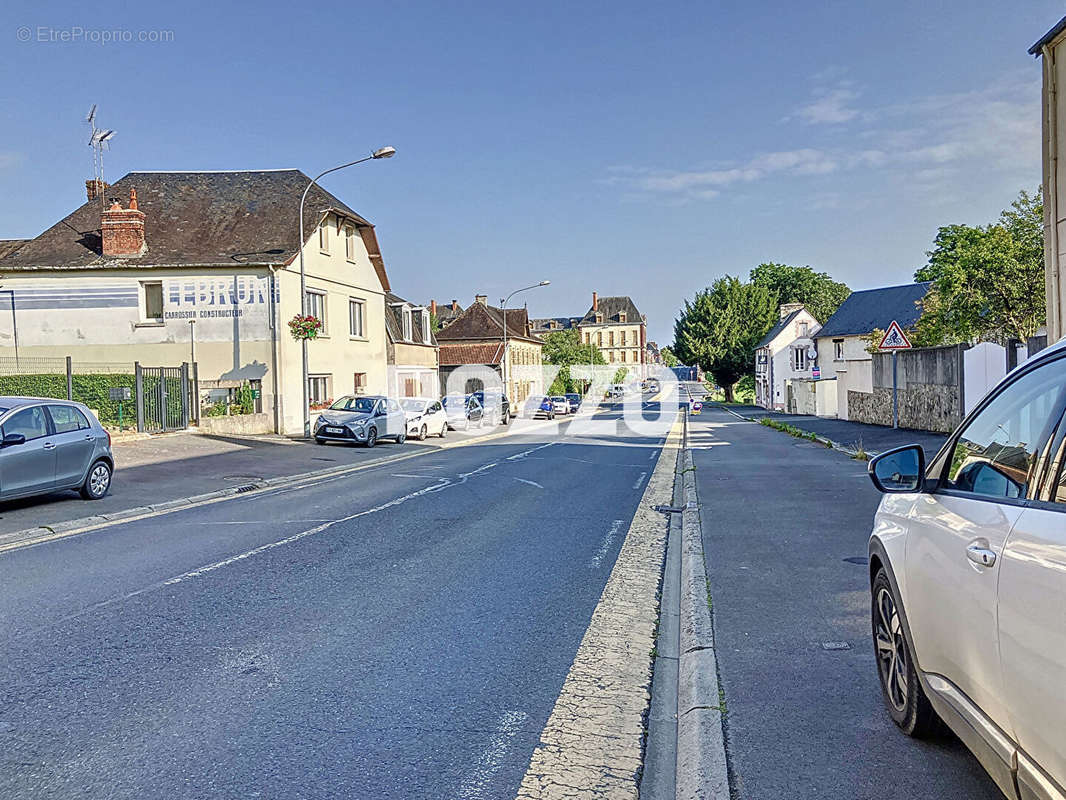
{"x": 237, "y": 424}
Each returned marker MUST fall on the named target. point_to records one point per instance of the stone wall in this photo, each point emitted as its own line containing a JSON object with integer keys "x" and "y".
{"x": 922, "y": 406}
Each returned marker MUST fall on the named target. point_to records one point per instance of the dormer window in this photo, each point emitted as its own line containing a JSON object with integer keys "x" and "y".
{"x": 407, "y": 334}
{"x": 426, "y": 332}
{"x": 621, "y": 316}
{"x": 599, "y": 317}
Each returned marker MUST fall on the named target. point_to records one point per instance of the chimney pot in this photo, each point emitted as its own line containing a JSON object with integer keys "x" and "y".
{"x": 133, "y": 198}
{"x": 455, "y": 305}
{"x": 481, "y": 298}
{"x": 94, "y": 188}
{"x": 433, "y": 307}
{"x": 595, "y": 302}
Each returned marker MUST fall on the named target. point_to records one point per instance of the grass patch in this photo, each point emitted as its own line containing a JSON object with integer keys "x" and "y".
{"x": 791, "y": 430}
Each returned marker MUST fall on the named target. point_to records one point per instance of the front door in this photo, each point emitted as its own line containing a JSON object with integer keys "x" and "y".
{"x": 75, "y": 443}
{"x": 30, "y": 467}
{"x": 957, "y": 536}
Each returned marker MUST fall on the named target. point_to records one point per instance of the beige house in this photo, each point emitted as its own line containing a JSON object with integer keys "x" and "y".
{"x": 785, "y": 353}
{"x": 475, "y": 338}
{"x": 412, "y": 349}
{"x": 162, "y": 264}
{"x": 613, "y": 324}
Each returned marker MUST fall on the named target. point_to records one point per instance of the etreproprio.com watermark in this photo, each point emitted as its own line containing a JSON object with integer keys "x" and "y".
{"x": 76, "y": 34}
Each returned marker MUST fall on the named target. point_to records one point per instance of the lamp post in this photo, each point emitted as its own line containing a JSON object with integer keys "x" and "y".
{"x": 384, "y": 152}
{"x": 503, "y": 305}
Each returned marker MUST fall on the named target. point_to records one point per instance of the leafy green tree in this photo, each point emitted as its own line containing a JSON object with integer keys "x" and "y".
{"x": 565, "y": 349}
{"x": 987, "y": 281}
{"x": 816, "y": 290}
{"x": 719, "y": 329}
{"x": 669, "y": 359}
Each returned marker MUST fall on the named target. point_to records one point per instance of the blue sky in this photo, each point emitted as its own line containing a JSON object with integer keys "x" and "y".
{"x": 612, "y": 146}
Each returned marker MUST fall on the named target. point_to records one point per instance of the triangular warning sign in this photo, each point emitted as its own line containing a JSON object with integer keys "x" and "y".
{"x": 895, "y": 338}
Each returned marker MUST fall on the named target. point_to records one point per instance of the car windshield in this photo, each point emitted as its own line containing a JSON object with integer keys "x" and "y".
{"x": 454, "y": 400}
{"x": 558, "y": 398}
{"x": 363, "y": 405}
{"x": 413, "y": 405}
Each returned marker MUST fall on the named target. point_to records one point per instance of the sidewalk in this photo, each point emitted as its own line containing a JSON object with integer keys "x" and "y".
{"x": 873, "y": 438}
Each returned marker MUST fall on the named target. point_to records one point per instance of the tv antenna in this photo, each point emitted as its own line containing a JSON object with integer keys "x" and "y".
{"x": 99, "y": 140}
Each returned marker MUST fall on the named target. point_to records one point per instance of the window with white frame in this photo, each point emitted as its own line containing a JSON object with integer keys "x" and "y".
{"x": 318, "y": 388}
{"x": 838, "y": 349}
{"x": 316, "y": 307}
{"x": 356, "y": 317}
{"x": 349, "y": 243}
{"x": 799, "y": 359}
{"x": 426, "y": 332}
{"x": 408, "y": 335}
{"x": 804, "y": 329}
{"x": 152, "y": 301}
{"x": 323, "y": 236}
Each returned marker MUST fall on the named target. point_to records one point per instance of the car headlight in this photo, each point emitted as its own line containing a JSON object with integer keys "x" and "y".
{"x": 355, "y": 424}
{"x": 319, "y": 423}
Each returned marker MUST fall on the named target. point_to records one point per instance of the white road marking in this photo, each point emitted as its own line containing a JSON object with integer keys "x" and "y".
{"x": 476, "y": 785}
{"x": 404, "y": 475}
{"x": 531, "y": 483}
{"x": 605, "y": 546}
{"x": 525, "y": 453}
{"x": 640, "y": 480}
{"x": 652, "y": 455}
{"x": 482, "y": 468}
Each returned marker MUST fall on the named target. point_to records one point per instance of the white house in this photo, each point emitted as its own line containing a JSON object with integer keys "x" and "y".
{"x": 785, "y": 353}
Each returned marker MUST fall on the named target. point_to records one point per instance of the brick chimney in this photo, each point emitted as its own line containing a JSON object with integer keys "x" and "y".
{"x": 122, "y": 229}
{"x": 455, "y": 305}
{"x": 433, "y": 307}
{"x": 481, "y": 298}
{"x": 94, "y": 188}
{"x": 788, "y": 308}
{"x": 595, "y": 302}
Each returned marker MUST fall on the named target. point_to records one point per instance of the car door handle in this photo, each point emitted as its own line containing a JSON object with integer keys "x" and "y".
{"x": 981, "y": 555}
{"x": 48, "y": 446}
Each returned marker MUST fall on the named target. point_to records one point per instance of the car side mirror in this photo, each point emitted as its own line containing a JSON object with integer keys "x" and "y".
{"x": 12, "y": 439}
{"x": 900, "y": 470}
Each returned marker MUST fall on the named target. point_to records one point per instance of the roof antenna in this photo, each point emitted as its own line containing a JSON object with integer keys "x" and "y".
{"x": 98, "y": 141}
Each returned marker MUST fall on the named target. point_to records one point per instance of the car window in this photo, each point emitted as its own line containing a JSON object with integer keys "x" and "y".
{"x": 364, "y": 405}
{"x": 392, "y": 405}
{"x": 30, "y": 422}
{"x": 996, "y": 453}
{"x": 434, "y": 408}
{"x": 67, "y": 419}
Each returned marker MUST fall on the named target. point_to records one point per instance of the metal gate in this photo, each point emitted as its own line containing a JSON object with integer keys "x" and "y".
{"x": 162, "y": 398}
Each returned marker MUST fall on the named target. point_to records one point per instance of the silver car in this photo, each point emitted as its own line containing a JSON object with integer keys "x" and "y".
{"x": 51, "y": 445}
{"x": 361, "y": 419}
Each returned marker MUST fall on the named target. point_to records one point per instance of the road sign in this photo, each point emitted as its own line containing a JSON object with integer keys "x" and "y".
{"x": 816, "y": 373}
{"x": 895, "y": 338}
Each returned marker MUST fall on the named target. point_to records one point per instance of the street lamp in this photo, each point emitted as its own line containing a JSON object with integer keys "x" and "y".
{"x": 384, "y": 152}
{"x": 503, "y": 305}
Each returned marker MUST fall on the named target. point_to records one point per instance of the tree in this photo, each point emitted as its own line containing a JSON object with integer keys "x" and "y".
{"x": 668, "y": 357}
{"x": 719, "y": 329}
{"x": 565, "y": 349}
{"x": 987, "y": 281}
{"x": 816, "y": 290}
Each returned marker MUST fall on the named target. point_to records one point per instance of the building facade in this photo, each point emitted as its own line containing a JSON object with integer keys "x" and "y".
{"x": 411, "y": 350}
{"x": 619, "y": 330}
{"x": 204, "y": 267}
{"x": 786, "y": 353}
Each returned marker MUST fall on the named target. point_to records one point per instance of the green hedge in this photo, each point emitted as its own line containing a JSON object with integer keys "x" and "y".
{"x": 93, "y": 390}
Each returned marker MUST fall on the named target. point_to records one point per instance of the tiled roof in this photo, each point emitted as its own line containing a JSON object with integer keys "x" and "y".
{"x": 548, "y": 324}
{"x": 780, "y": 326}
{"x": 394, "y": 322}
{"x": 611, "y": 307}
{"x": 864, "y": 311}
{"x": 217, "y": 219}
{"x": 445, "y": 313}
{"x": 481, "y": 321}
{"x": 454, "y": 354}
{"x": 9, "y": 246}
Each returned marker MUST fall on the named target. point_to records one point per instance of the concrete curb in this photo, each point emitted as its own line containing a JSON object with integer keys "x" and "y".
{"x": 29, "y": 536}
{"x": 702, "y": 771}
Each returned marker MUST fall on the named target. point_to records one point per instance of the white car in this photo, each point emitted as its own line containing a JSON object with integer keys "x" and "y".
{"x": 425, "y": 417}
{"x": 968, "y": 581}
{"x": 560, "y": 405}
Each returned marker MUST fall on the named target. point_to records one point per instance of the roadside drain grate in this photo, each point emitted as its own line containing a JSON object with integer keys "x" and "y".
{"x": 250, "y": 487}
{"x": 836, "y": 646}
{"x": 690, "y": 505}
{"x": 861, "y": 560}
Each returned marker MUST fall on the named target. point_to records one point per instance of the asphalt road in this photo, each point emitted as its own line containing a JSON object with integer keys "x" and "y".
{"x": 780, "y": 516}
{"x": 402, "y": 632}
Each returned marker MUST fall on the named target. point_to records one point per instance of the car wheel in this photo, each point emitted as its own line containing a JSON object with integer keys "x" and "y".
{"x": 505, "y": 418}
{"x": 903, "y": 694}
{"x": 401, "y": 437}
{"x": 371, "y": 437}
{"x": 443, "y": 431}
{"x": 319, "y": 441}
{"x": 97, "y": 482}
{"x": 423, "y": 432}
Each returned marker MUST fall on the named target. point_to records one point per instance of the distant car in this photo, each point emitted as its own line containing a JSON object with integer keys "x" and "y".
{"x": 463, "y": 412}
{"x": 51, "y": 445}
{"x": 575, "y": 401}
{"x": 497, "y": 406}
{"x": 616, "y": 391}
{"x": 539, "y": 406}
{"x": 425, "y": 416}
{"x": 695, "y": 407}
{"x": 560, "y": 404}
{"x": 361, "y": 419}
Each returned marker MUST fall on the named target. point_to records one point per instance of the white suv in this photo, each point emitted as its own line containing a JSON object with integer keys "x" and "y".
{"x": 968, "y": 582}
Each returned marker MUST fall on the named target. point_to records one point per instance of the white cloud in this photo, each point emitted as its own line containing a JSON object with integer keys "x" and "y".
{"x": 830, "y": 106}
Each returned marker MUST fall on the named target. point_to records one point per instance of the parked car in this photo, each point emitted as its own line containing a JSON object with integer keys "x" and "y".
{"x": 538, "y": 406}
{"x": 463, "y": 412}
{"x": 496, "y": 405}
{"x": 560, "y": 404}
{"x": 51, "y": 445}
{"x": 615, "y": 391}
{"x": 361, "y": 419}
{"x": 968, "y": 581}
{"x": 575, "y": 401}
{"x": 425, "y": 416}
